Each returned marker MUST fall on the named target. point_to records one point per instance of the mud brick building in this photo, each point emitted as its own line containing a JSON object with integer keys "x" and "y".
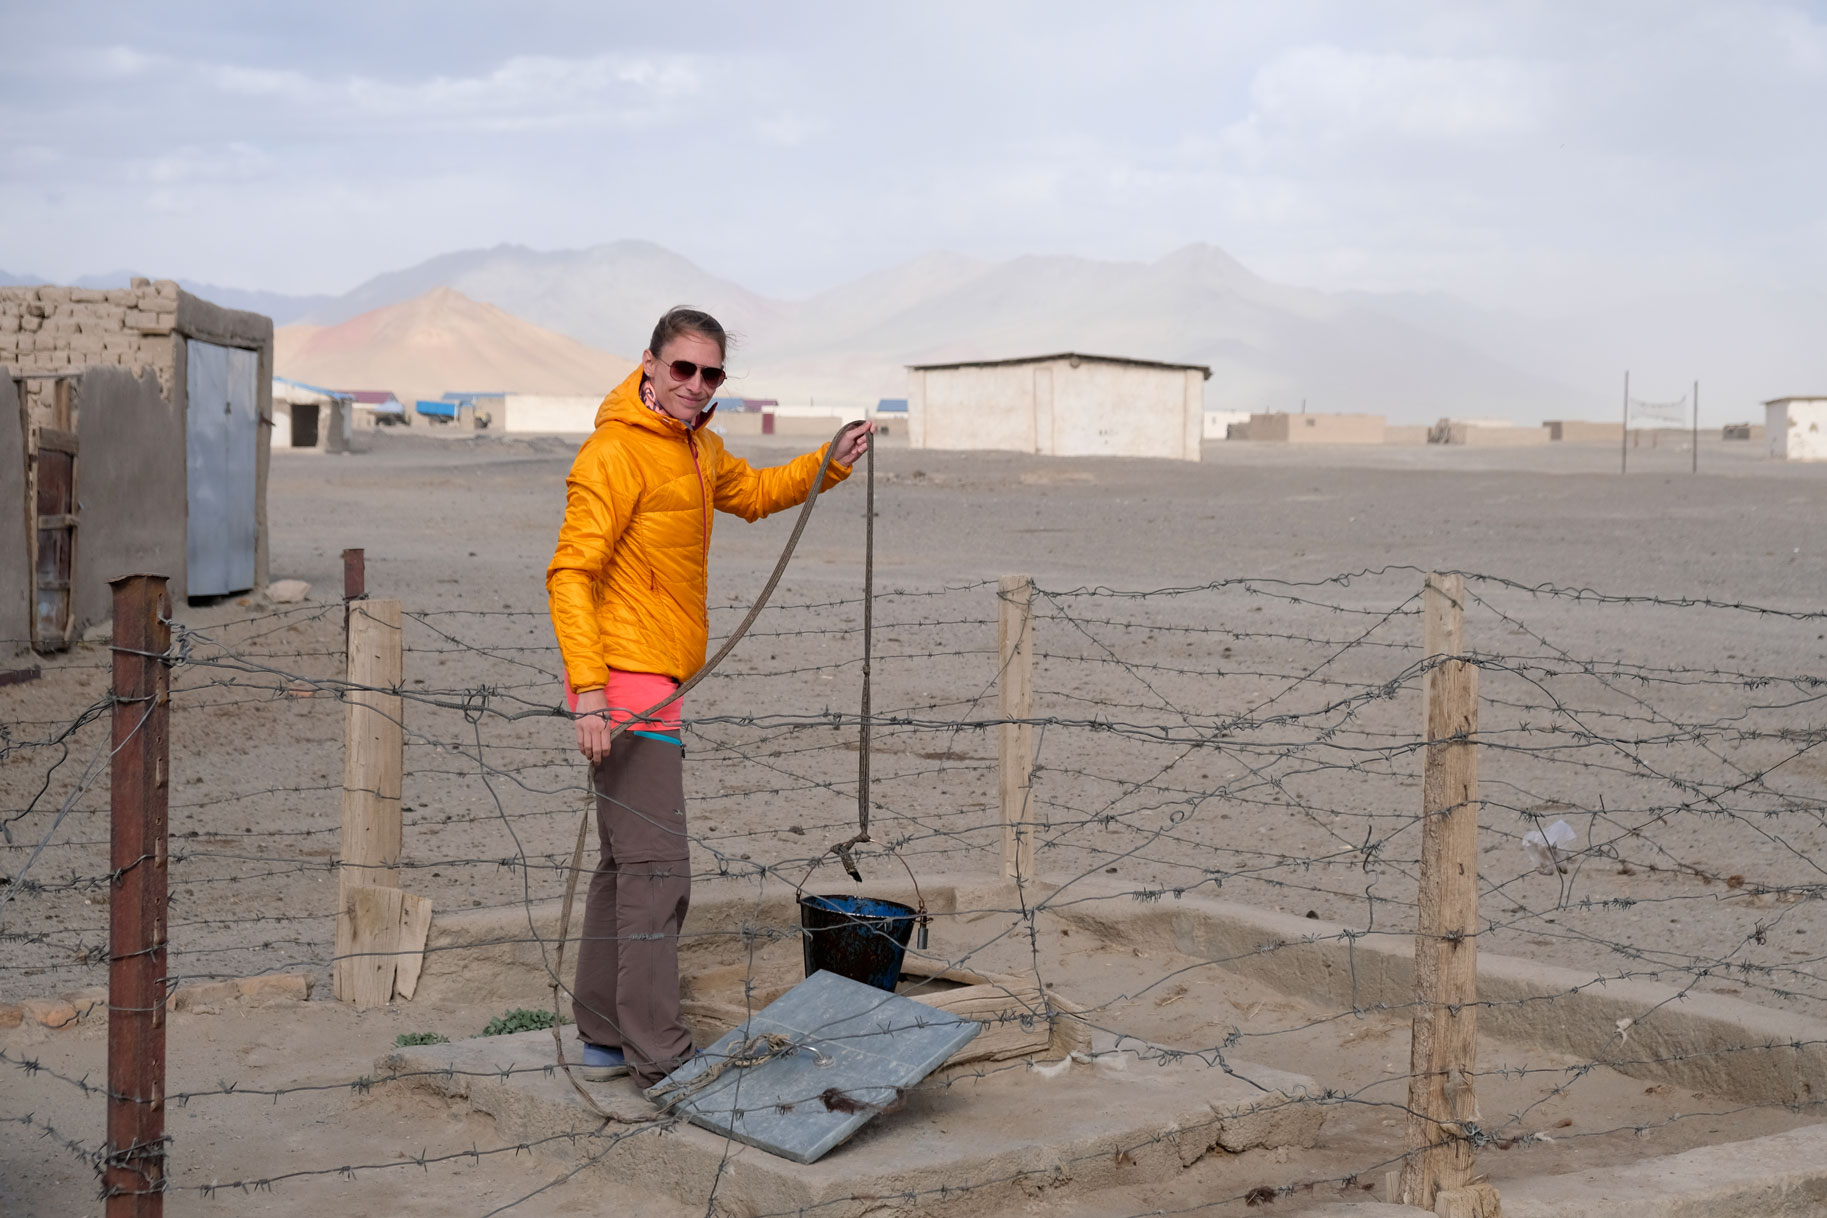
{"x": 134, "y": 432}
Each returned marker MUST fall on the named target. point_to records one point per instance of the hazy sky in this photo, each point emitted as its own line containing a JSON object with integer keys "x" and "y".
{"x": 1659, "y": 166}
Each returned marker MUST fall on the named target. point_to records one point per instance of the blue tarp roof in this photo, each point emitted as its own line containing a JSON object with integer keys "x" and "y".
{"x": 329, "y": 393}
{"x": 890, "y": 405}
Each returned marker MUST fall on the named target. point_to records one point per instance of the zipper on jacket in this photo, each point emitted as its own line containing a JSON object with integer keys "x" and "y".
{"x": 691, "y": 442}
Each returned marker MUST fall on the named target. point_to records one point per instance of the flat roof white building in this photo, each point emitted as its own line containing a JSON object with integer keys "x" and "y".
{"x": 1218, "y": 423}
{"x": 1796, "y": 428}
{"x": 548, "y": 414}
{"x": 1065, "y": 405}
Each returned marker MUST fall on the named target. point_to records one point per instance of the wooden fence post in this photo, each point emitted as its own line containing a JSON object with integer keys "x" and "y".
{"x": 373, "y": 748}
{"x": 134, "y": 1168}
{"x": 1015, "y": 740}
{"x": 1438, "y": 1174}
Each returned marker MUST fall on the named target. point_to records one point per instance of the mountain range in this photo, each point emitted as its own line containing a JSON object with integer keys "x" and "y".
{"x": 282, "y": 307}
{"x": 1413, "y": 357}
{"x": 441, "y": 341}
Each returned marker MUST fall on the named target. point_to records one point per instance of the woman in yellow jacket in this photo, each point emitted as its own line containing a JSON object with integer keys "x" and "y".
{"x": 627, "y": 588}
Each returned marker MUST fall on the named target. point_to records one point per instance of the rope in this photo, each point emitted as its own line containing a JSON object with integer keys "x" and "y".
{"x": 729, "y": 645}
{"x": 842, "y": 849}
{"x": 751, "y": 1052}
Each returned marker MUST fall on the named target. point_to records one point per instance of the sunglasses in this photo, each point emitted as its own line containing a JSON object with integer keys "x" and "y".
{"x": 683, "y": 370}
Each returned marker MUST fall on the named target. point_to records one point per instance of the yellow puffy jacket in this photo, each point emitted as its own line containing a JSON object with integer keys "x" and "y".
{"x": 628, "y": 582}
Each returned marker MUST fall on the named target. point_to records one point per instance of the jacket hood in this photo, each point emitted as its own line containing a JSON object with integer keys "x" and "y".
{"x": 624, "y": 405}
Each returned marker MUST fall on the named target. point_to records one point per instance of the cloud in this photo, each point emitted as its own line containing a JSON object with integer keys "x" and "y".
{"x": 192, "y": 164}
{"x": 1650, "y": 169}
{"x": 1327, "y": 95}
{"x": 252, "y": 101}
{"x": 120, "y": 63}
{"x": 529, "y": 91}
{"x": 240, "y": 82}
{"x": 788, "y": 130}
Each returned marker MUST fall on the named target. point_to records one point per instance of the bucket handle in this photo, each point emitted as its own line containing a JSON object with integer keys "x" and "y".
{"x": 922, "y": 919}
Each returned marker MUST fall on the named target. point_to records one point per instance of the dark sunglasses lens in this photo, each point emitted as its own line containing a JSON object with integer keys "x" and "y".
{"x": 683, "y": 369}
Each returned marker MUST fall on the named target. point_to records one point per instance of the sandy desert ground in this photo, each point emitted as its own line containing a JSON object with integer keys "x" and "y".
{"x": 1251, "y": 732}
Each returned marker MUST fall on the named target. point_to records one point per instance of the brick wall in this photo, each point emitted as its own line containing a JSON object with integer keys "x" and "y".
{"x": 47, "y": 331}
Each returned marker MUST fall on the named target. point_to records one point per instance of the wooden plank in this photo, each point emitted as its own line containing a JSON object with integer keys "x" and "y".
{"x": 1443, "y": 1056}
{"x": 1015, "y": 740}
{"x": 415, "y": 929}
{"x": 52, "y": 439}
{"x": 53, "y": 542}
{"x": 961, "y": 976}
{"x": 369, "y": 964}
{"x": 1018, "y": 1022}
{"x": 63, "y": 404}
{"x": 373, "y": 744}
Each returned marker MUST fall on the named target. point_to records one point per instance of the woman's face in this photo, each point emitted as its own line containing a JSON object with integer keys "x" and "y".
{"x": 683, "y": 400}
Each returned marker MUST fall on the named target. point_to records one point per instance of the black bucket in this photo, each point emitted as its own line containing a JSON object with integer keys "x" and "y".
{"x": 862, "y": 938}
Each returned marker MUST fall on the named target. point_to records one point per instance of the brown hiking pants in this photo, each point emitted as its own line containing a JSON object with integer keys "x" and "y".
{"x": 627, "y": 991}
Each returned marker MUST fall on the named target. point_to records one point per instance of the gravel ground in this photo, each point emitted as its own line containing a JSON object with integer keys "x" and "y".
{"x": 1254, "y": 732}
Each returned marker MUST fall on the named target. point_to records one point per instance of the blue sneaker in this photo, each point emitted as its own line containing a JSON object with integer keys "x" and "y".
{"x": 601, "y": 1063}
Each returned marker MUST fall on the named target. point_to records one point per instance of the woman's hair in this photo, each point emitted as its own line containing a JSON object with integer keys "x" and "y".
{"x": 681, "y": 320}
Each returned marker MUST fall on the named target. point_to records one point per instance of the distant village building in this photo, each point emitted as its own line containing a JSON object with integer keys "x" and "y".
{"x": 470, "y": 411}
{"x": 1226, "y": 424}
{"x": 554, "y": 414}
{"x": 481, "y": 398}
{"x": 1486, "y": 433}
{"x": 372, "y": 406}
{"x": 143, "y": 425}
{"x": 890, "y": 416}
{"x": 1065, "y": 405}
{"x": 1280, "y": 427}
{"x": 735, "y": 405}
{"x": 1796, "y": 428}
{"x": 548, "y": 414}
{"x": 307, "y": 417}
{"x": 1579, "y": 431}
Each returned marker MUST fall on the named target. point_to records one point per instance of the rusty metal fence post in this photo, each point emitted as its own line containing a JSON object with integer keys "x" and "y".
{"x": 134, "y": 1170}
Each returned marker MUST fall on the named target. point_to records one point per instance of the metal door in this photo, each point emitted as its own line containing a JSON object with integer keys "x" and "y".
{"x": 223, "y": 432}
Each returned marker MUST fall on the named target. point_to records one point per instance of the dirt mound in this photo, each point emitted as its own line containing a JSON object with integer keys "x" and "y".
{"x": 439, "y": 342}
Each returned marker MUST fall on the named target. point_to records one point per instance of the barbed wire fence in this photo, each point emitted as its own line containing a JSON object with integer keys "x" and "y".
{"x": 1649, "y": 809}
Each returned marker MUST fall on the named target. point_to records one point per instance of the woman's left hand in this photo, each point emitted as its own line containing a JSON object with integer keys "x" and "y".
{"x": 853, "y": 444}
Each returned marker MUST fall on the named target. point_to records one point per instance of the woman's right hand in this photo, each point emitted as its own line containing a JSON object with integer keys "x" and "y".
{"x": 593, "y": 725}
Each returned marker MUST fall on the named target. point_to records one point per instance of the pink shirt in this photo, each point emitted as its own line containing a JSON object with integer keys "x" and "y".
{"x": 630, "y": 693}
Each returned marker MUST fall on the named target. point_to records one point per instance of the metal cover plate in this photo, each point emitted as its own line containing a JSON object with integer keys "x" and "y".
{"x": 855, "y": 1048}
